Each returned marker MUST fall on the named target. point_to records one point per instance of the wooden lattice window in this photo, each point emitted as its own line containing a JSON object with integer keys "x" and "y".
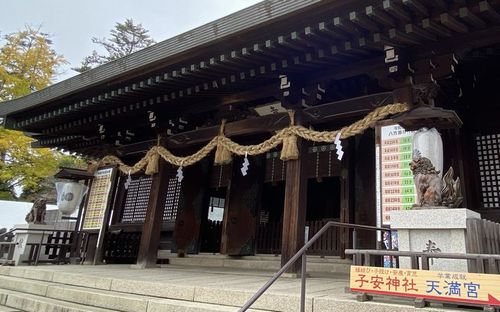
{"x": 488, "y": 151}
{"x": 136, "y": 200}
{"x": 172, "y": 200}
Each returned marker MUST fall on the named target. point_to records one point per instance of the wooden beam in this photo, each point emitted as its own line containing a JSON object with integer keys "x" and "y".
{"x": 488, "y": 12}
{"x": 363, "y": 21}
{"x": 382, "y": 39}
{"x": 368, "y": 44}
{"x": 247, "y": 126}
{"x": 412, "y": 29}
{"x": 417, "y": 6}
{"x": 452, "y": 23}
{"x": 345, "y": 108}
{"x": 344, "y": 25}
{"x": 435, "y": 28}
{"x": 353, "y": 48}
{"x": 379, "y": 16}
{"x": 150, "y": 238}
{"x": 330, "y": 32}
{"x": 471, "y": 18}
{"x": 395, "y": 34}
{"x": 317, "y": 35}
{"x": 397, "y": 11}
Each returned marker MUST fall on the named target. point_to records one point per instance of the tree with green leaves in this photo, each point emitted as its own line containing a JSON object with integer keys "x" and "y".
{"x": 28, "y": 63}
{"x": 125, "y": 38}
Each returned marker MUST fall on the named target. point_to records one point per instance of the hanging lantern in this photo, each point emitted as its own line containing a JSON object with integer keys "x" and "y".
{"x": 69, "y": 196}
{"x": 428, "y": 143}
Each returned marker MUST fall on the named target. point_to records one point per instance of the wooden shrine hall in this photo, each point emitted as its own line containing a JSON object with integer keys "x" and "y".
{"x": 238, "y": 80}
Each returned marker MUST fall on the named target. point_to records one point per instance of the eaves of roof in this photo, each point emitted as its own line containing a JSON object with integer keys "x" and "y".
{"x": 253, "y": 16}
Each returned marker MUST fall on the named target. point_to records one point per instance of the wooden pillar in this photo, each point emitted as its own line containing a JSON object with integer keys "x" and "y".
{"x": 294, "y": 213}
{"x": 150, "y": 238}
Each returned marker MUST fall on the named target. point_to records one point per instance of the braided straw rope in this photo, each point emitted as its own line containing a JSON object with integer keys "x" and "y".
{"x": 317, "y": 136}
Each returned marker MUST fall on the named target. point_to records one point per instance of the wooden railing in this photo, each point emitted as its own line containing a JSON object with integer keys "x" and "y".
{"x": 482, "y": 236}
{"x": 329, "y": 243}
{"x": 121, "y": 247}
{"x": 269, "y": 238}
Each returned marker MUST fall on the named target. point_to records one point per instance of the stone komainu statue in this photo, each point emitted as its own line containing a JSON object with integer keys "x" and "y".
{"x": 427, "y": 182}
{"x": 432, "y": 191}
{"x": 37, "y": 213}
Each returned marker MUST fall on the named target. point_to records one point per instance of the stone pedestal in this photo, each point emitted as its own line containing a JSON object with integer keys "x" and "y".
{"x": 433, "y": 231}
{"x": 24, "y": 237}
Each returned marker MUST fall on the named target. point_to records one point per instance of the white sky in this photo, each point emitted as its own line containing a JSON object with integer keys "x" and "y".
{"x": 72, "y": 23}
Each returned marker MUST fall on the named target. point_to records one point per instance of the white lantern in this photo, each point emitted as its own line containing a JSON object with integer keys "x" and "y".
{"x": 429, "y": 144}
{"x": 69, "y": 196}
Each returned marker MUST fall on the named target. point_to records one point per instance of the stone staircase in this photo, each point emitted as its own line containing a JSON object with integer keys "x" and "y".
{"x": 76, "y": 288}
{"x": 315, "y": 264}
{"x": 24, "y": 289}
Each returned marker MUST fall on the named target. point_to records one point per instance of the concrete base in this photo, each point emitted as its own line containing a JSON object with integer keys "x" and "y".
{"x": 433, "y": 231}
{"x": 25, "y": 237}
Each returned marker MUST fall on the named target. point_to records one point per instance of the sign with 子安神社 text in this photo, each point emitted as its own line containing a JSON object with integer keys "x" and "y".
{"x": 395, "y": 185}
{"x": 472, "y": 288}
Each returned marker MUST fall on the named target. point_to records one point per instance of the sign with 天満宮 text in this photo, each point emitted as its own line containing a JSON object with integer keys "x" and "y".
{"x": 472, "y": 288}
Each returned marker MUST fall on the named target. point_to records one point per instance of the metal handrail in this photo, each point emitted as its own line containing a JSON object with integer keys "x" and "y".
{"x": 302, "y": 253}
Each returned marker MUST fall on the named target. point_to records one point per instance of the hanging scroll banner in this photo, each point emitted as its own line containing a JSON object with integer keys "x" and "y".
{"x": 457, "y": 287}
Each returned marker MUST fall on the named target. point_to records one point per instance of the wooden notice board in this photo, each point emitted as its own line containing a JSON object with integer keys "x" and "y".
{"x": 395, "y": 185}
{"x": 99, "y": 198}
{"x": 456, "y": 287}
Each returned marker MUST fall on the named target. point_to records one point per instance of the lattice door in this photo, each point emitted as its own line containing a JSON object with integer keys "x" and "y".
{"x": 488, "y": 150}
{"x": 172, "y": 200}
{"x": 136, "y": 200}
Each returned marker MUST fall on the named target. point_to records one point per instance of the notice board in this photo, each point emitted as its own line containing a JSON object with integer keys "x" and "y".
{"x": 395, "y": 185}
{"x": 99, "y": 197}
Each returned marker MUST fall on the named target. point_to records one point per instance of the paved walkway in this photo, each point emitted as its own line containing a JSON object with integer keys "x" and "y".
{"x": 221, "y": 278}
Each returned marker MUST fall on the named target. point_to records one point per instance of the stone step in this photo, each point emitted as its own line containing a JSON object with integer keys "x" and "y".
{"x": 50, "y": 290}
{"x": 132, "y": 303}
{"x": 27, "y": 286}
{"x": 8, "y": 309}
{"x": 259, "y": 262}
{"x": 311, "y": 258}
{"x": 19, "y": 301}
{"x": 125, "y": 299}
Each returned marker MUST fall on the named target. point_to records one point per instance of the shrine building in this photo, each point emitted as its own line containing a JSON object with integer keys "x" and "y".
{"x": 176, "y": 130}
